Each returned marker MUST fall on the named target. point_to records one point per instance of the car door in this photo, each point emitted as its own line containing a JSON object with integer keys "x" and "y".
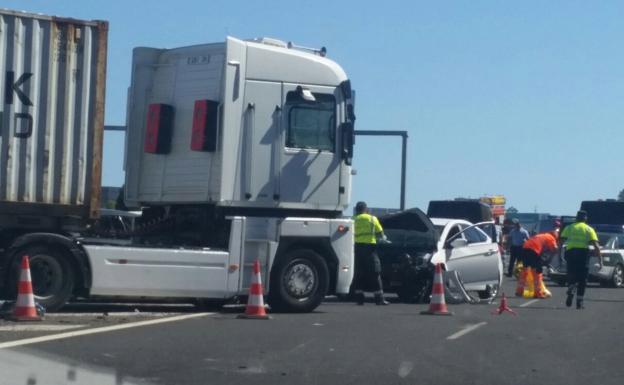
{"x": 478, "y": 262}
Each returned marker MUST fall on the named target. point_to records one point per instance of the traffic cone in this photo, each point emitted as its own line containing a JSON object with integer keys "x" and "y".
{"x": 437, "y": 305}
{"x": 503, "y": 307}
{"x": 25, "y": 309}
{"x": 255, "y": 302}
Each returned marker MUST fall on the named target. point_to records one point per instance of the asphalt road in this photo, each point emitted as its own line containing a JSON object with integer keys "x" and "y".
{"x": 546, "y": 343}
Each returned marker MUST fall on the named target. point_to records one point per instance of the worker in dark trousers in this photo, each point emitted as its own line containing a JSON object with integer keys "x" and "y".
{"x": 517, "y": 236}
{"x": 577, "y": 238}
{"x": 367, "y": 272}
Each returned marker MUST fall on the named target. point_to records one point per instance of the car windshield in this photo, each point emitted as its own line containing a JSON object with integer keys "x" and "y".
{"x": 606, "y": 239}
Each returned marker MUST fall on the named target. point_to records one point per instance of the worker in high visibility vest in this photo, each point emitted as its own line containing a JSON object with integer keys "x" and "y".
{"x": 534, "y": 251}
{"x": 577, "y": 238}
{"x": 367, "y": 272}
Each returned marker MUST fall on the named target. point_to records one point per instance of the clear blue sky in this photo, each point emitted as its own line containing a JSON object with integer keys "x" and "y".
{"x": 524, "y": 99}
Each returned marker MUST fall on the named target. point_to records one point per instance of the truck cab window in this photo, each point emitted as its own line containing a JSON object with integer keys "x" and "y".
{"x": 311, "y": 124}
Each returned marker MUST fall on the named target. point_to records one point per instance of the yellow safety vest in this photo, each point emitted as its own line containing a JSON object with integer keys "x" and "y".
{"x": 366, "y": 228}
{"x": 578, "y": 236}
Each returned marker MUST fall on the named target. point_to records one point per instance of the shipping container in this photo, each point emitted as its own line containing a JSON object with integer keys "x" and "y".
{"x": 52, "y": 86}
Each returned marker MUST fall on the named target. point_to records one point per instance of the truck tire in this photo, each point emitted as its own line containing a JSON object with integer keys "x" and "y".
{"x": 299, "y": 282}
{"x": 52, "y": 276}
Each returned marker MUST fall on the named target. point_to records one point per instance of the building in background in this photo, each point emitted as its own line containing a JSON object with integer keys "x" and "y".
{"x": 497, "y": 204}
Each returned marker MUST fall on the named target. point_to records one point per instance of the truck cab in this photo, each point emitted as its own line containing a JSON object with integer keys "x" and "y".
{"x": 244, "y": 124}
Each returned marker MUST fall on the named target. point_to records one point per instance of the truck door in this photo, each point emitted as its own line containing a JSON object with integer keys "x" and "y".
{"x": 310, "y": 161}
{"x": 261, "y": 140}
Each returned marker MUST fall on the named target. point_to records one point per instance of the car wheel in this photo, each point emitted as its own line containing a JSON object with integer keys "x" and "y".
{"x": 617, "y": 278}
{"x": 491, "y": 291}
{"x": 51, "y": 274}
{"x": 454, "y": 291}
{"x": 299, "y": 282}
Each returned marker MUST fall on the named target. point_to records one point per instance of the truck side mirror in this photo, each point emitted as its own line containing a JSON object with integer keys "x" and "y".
{"x": 348, "y": 140}
{"x": 350, "y": 113}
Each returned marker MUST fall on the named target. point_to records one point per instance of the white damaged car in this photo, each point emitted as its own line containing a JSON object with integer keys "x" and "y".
{"x": 417, "y": 243}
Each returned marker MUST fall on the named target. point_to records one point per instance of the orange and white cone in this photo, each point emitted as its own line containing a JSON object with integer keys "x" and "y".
{"x": 437, "y": 305}
{"x": 25, "y": 309}
{"x": 255, "y": 302}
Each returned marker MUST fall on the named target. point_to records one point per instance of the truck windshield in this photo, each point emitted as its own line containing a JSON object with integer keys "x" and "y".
{"x": 311, "y": 124}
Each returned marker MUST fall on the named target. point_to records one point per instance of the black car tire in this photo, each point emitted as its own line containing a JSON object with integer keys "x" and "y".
{"x": 282, "y": 296}
{"x": 52, "y": 276}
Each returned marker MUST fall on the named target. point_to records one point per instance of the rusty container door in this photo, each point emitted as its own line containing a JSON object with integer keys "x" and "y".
{"x": 52, "y": 88}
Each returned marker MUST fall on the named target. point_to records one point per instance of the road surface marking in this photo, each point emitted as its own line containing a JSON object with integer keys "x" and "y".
{"x": 114, "y": 314}
{"x": 38, "y": 328}
{"x": 405, "y": 368}
{"x": 465, "y": 331}
{"x": 531, "y": 302}
{"x": 78, "y": 333}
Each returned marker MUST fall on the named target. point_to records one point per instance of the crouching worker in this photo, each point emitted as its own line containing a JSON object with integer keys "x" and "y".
{"x": 534, "y": 252}
{"x": 367, "y": 272}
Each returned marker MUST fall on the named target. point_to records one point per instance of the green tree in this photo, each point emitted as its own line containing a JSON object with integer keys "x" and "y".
{"x": 621, "y": 195}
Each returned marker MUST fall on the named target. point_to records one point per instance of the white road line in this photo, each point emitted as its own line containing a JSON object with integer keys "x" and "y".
{"x": 78, "y": 333}
{"x": 112, "y": 314}
{"x": 465, "y": 331}
{"x": 38, "y": 328}
{"x": 529, "y": 303}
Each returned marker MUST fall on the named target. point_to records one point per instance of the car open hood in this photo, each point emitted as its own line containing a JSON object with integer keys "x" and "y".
{"x": 421, "y": 230}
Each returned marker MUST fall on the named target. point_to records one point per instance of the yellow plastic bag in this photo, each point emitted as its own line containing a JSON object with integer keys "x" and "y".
{"x": 545, "y": 290}
{"x": 529, "y": 290}
{"x": 517, "y": 269}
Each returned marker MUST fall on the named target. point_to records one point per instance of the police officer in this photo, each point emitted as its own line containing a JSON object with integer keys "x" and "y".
{"x": 517, "y": 236}
{"x": 577, "y": 237}
{"x": 367, "y": 265}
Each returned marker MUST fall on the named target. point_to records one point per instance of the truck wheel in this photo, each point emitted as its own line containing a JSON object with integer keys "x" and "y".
{"x": 51, "y": 274}
{"x": 299, "y": 282}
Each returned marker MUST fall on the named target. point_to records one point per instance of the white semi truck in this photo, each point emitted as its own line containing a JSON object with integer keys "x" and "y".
{"x": 235, "y": 151}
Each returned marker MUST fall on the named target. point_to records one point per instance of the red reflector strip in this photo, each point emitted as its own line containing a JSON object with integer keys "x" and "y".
{"x": 255, "y": 289}
{"x": 25, "y": 287}
{"x": 205, "y": 124}
{"x": 159, "y": 129}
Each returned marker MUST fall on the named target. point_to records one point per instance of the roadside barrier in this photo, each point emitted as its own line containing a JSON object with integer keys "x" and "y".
{"x": 255, "y": 302}
{"x": 437, "y": 305}
{"x": 25, "y": 309}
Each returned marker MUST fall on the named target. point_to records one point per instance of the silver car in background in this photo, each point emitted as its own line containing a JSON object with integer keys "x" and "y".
{"x": 612, "y": 272}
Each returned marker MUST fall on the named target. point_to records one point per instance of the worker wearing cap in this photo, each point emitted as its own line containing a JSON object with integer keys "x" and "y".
{"x": 577, "y": 238}
{"x": 534, "y": 250}
{"x": 517, "y": 236}
{"x": 367, "y": 265}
